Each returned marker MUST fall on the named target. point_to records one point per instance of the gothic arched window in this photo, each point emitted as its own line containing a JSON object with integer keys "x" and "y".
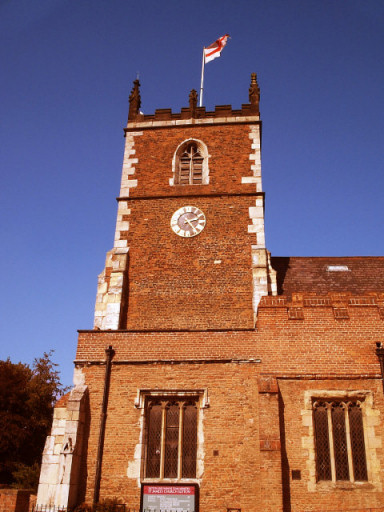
{"x": 190, "y": 165}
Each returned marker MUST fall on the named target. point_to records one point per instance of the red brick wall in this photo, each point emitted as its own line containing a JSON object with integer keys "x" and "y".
{"x": 254, "y": 419}
{"x": 231, "y": 453}
{"x": 174, "y": 282}
{"x": 229, "y": 147}
{"x": 14, "y": 500}
{"x": 317, "y": 344}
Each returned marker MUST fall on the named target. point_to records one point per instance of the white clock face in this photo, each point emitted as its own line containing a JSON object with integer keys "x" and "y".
{"x": 188, "y": 221}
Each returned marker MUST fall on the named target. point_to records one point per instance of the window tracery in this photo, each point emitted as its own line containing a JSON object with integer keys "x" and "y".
{"x": 339, "y": 441}
{"x": 190, "y": 164}
{"x": 171, "y": 437}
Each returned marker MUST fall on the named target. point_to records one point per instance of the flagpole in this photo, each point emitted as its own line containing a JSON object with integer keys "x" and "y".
{"x": 202, "y": 81}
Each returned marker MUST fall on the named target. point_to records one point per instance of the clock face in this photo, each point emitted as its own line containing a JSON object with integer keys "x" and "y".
{"x": 188, "y": 221}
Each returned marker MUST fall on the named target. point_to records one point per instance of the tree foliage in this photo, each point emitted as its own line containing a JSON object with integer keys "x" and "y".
{"x": 27, "y": 397}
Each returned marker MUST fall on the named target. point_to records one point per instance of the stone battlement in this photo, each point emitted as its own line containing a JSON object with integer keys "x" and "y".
{"x": 250, "y": 109}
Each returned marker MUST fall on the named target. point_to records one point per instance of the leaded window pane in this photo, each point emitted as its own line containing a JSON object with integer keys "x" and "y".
{"x": 323, "y": 460}
{"x": 344, "y": 458}
{"x": 171, "y": 441}
{"x": 340, "y": 441}
{"x": 357, "y": 442}
{"x": 189, "y": 441}
{"x": 154, "y": 441}
{"x": 167, "y": 433}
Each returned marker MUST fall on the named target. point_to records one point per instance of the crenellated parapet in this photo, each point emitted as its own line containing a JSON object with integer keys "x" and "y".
{"x": 193, "y": 112}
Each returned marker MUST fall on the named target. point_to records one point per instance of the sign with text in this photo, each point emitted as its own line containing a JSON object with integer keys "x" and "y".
{"x": 168, "y": 498}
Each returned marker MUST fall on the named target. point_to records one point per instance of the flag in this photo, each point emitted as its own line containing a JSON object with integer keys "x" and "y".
{"x": 214, "y": 50}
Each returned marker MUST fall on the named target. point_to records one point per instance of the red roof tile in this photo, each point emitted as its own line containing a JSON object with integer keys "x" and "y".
{"x": 358, "y": 275}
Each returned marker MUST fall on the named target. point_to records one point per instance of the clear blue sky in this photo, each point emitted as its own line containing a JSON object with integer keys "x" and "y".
{"x": 66, "y": 70}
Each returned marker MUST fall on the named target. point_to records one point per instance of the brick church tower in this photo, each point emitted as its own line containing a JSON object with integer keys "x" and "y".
{"x": 217, "y": 377}
{"x": 189, "y": 248}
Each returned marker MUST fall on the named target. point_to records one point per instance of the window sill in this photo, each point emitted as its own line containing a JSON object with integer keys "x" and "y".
{"x": 344, "y": 485}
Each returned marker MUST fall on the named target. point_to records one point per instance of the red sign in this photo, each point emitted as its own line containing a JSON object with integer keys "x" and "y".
{"x": 168, "y": 489}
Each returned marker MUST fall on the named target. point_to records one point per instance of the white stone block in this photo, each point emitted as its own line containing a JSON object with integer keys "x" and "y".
{"x": 123, "y": 225}
{"x": 43, "y": 495}
{"x": 62, "y": 494}
{"x": 121, "y": 243}
{"x": 183, "y": 121}
{"x": 113, "y": 309}
{"x": 133, "y": 470}
{"x": 103, "y": 288}
{"x": 116, "y": 282}
{"x": 122, "y": 251}
{"x": 249, "y": 179}
{"x": 49, "y": 473}
{"x": 78, "y": 377}
{"x": 59, "y": 413}
{"x": 49, "y": 444}
{"x": 258, "y": 221}
{"x": 256, "y": 212}
{"x": 111, "y": 322}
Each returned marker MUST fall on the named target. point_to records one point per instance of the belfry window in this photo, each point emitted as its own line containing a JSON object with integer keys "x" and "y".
{"x": 190, "y": 164}
{"x": 339, "y": 441}
{"x": 171, "y": 437}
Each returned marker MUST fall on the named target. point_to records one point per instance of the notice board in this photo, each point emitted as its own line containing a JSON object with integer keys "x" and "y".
{"x": 169, "y": 498}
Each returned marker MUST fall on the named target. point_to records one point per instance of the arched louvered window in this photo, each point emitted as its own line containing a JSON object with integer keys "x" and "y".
{"x": 191, "y": 164}
{"x": 339, "y": 440}
{"x": 171, "y": 437}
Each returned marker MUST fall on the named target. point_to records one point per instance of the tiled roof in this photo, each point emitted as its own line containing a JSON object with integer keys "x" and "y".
{"x": 358, "y": 275}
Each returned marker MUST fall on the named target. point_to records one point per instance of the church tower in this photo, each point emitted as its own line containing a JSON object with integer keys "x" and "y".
{"x": 189, "y": 249}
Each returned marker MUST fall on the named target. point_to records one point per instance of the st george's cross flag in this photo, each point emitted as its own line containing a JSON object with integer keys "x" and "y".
{"x": 214, "y": 50}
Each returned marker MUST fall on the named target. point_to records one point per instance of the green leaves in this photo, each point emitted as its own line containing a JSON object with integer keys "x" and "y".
{"x": 27, "y": 397}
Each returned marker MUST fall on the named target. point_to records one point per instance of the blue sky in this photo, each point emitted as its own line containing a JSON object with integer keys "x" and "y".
{"x": 66, "y": 72}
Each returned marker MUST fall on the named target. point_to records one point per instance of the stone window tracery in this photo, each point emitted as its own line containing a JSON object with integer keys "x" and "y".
{"x": 339, "y": 441}
{"x": 190, "y": 164}
{"x": 171, "y": 437}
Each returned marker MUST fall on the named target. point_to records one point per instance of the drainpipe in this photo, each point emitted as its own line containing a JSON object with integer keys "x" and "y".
{"x": 109, "y": 353}
{"x": 380, "y": 355}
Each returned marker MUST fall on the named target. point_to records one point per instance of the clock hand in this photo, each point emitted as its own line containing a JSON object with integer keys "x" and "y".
{"x": 189, "y": 222}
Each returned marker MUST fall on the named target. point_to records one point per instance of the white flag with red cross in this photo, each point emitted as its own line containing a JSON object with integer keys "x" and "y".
{"x": 214, "y": 50}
